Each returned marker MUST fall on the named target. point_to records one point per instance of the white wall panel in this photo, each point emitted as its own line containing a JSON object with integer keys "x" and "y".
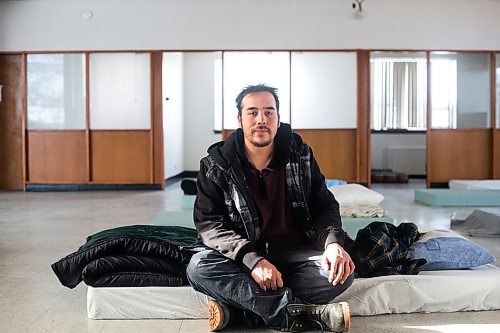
{"x": 173, "y": 109}
{"x": 198, "y": 107}
{"x": 324, "y": 92}
{"x": 250, "y": 68}
{"x": 120, "y": 95}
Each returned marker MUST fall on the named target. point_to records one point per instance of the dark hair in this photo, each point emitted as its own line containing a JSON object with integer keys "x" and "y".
{"x": 257, "y": 88}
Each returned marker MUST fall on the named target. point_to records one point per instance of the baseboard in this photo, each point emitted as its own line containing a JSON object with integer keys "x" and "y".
{"x": 90, "y": 187}
{"x": 439, "y": 185}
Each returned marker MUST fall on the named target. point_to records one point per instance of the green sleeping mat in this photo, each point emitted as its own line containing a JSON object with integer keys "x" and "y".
{"x": 351, "y": 225}
{"x": 465, "y": 198}
{"x": 181, "y": 218}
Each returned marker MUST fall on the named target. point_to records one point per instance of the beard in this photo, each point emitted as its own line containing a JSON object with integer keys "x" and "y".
{"x": 260, "y": 142}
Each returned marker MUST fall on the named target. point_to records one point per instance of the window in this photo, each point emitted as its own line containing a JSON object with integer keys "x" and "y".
{"x": 324, "y": 91}
{"x": 444, "y": 93}
{"x": 248, "y": 68}
{"x": 323, "y": 85}
{"x": 120, "y": 95}
{"x": 460, "y": 89}
{"x": 399, "y": 91}
{"x": 56, "y": 91}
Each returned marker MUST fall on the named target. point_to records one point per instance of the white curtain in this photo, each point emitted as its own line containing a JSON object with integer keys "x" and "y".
{"x": 444, "y": 93}
{"x": 399, "y": 90}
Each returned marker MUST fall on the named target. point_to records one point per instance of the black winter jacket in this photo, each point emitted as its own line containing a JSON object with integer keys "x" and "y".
{"x": 225, "y": 215}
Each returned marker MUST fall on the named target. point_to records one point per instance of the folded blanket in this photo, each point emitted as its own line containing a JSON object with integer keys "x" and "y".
{"x": 361, "y": 211}
{"x": 381, "y": 249}
{"x": 124, "y": 256}
{"x": 479, "y": 224}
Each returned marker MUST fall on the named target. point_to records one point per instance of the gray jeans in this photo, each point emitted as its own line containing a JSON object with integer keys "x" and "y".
{"x": 226, "y": 281}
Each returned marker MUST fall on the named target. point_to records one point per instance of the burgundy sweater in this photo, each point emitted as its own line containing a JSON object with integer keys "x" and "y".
{"x": 269, "y": 193}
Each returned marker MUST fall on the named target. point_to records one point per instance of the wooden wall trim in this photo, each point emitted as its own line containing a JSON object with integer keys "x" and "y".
{"x": 57, "y": 157}
{"x": 11, "y": 120}
{"x": 226, "y": 133}
{"x": 157, "y": 156}
{"x": 24, "y": 126}
{"x": 493, "y": 92}
{"x": 363, "y": 153}
{"x": 496, "y": 156}
{"x": 121, "y": 157}
{"x": 335, "y": 151}
{"x": 428, "y": 148}
{"x": 493, "y": 111}
{"x": 460, "y": 154}
{"x": 151, "y": 114}
{"x": 88, "y": 167}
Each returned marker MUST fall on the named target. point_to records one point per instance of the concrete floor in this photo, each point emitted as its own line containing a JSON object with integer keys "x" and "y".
{"x": 38, "y": 229}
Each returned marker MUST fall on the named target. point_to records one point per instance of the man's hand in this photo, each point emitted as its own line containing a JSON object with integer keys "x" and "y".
{"x": 267, "y": 276}
{"x": 338, "y": 262}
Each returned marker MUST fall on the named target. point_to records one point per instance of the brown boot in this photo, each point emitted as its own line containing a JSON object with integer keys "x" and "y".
{"x": 218, "y": 316}
{"x": 221, "y": 316}
{"x": 334, "y": 317}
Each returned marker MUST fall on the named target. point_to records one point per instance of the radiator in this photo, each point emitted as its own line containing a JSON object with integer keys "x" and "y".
{"x": 410, "y": 159}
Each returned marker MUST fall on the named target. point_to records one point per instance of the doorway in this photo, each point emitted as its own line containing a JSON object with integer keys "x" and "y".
{"x": 398, "y": 92}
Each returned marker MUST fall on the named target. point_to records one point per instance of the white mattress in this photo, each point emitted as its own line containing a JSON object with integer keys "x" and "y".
{"x": 146, "y": 303}
{"x": 438, "y": 291}
{"x": 488, "y": 184}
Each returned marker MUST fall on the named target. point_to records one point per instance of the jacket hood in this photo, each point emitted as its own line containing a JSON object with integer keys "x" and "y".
{"x": 226, "y": 152}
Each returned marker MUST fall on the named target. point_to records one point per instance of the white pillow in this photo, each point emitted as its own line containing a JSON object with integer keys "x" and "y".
{"x": 355, "y": 195}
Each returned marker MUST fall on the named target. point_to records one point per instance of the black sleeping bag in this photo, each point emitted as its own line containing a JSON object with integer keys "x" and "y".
{"x": 133, "y": 271}
{"x": 139, "y": 255}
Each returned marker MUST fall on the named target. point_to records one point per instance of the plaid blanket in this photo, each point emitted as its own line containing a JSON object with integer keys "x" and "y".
{"x": 381, "y": 249}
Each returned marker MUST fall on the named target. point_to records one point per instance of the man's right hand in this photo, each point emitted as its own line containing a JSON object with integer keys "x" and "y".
{"x": 267, "y": 276}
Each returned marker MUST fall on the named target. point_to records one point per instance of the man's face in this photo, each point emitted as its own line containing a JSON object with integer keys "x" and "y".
{"x": 259, "y": 119}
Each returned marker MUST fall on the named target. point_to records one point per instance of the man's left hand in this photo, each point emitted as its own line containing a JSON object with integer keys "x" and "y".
{"x": 338, "y": 262}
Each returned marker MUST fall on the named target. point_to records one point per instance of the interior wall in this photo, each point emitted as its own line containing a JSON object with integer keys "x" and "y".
{"x": 198, "y": 107}
{"x": 454, "y": 154}
{"x": 51, "y": 25}
{"x": 173, "y": 120}
{"x": 380, "y": 146}
{"x": 473, "y": 93}
{"x": 290, "y": 24}
{"x": 11, "y": 118}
